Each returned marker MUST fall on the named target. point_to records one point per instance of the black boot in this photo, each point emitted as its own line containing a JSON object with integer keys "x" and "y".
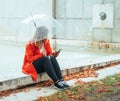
{"x": 65, "y": 84}
{"x": 59, "y": 85}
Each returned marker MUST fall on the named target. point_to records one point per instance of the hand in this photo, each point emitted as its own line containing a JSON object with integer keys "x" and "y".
{"x": 55, "y": 54}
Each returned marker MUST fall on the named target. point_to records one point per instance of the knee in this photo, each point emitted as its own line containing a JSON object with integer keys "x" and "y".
{"x": 52, "y": 57}
{"x": 45, "y": 58}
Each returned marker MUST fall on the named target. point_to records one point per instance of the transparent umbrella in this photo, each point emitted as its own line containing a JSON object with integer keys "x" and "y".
{"x": 29, "y": 25}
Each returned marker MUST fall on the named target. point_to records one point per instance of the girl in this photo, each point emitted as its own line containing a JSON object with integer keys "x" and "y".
{"x": 40, "y": 58}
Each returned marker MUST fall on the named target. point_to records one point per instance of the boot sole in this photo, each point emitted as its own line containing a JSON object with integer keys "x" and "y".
{"x": 58, "y": 88}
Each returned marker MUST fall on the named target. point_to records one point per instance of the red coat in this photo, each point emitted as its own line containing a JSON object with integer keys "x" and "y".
{"x": 31, "y": 54}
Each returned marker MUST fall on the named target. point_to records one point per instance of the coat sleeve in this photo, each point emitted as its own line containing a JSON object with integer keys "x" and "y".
{"x": 48, "y": 47}
{"x": 30, "y": 54}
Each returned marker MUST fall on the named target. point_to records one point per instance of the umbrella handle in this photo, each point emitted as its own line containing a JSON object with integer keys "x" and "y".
{"x": 34, "y": 21}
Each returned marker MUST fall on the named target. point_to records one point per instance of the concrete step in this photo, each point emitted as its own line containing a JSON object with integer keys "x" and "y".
{"x": 19, "y": 79}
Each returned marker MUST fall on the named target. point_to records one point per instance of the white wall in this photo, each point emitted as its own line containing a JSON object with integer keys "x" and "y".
{"x": 76, "y": 17}
{"x": 13, "y": 11}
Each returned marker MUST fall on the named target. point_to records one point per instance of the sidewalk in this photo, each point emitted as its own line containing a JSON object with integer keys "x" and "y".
{"x": 33, "y": 93}
{"x": 70, "y": 61}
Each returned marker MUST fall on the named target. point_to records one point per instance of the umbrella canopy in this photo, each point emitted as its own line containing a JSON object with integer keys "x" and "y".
{"x": 37, "y": 27}
{"x": 41, "y": 33}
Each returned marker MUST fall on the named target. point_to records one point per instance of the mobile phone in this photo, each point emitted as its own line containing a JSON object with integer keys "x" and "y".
{"x": 59, "y": 50}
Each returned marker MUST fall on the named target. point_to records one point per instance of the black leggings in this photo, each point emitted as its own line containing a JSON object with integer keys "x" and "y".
{"x": 50, "y": 66}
